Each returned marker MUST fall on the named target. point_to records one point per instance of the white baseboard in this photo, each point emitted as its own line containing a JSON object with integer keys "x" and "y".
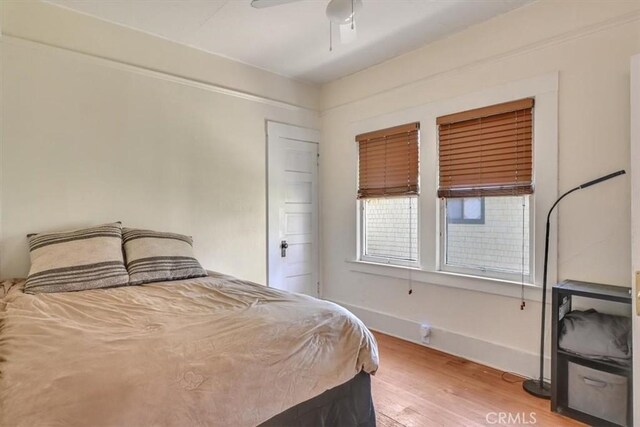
{"x": 477, "y": 350}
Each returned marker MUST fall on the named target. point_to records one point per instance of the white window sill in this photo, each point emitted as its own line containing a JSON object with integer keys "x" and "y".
{"x": 389, "y": 262}
{"x": 487, "y": 285}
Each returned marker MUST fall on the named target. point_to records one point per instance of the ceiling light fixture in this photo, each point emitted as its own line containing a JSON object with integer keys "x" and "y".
{"x": 343, "y": 13}
{"x": 339, "y": 12}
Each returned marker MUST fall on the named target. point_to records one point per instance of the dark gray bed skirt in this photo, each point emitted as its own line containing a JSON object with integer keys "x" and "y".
{"x": 346, "y": 405}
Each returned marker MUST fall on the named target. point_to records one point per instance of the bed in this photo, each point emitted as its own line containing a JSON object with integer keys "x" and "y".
{"x": 200, "y": 352}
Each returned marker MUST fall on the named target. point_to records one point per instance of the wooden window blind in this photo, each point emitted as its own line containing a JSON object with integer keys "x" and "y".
{"x": 388, "y": 162}
{"x": 487, "y": 151}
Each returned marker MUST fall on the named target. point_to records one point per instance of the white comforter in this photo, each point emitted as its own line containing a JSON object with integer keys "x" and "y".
{"x": 199, "y": 352}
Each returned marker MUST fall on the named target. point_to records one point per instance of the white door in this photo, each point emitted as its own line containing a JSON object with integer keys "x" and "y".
{"x": 292, "y": 208}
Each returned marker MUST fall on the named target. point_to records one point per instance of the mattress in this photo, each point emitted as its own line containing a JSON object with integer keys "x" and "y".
{"x": 207, "y": 351}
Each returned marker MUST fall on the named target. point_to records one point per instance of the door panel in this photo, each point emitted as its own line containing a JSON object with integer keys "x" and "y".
{"x": 300, "y": 161}
{"x": 298, "y": 192}
{"x": 297, "y": 284}
{"x": 292, "y": 173}
{"x": 297, "y": 223}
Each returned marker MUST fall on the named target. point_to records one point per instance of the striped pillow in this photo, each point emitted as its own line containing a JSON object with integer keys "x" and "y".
{"x": 153, "y": 256}
{"x": 76, "y": 260}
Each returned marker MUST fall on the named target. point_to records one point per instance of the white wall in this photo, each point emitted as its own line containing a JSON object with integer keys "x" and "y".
{"x": 589, "y": 44}
{"x": 88, "y": 140}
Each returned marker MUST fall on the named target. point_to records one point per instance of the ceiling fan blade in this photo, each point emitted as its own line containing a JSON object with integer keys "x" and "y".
{"x": 260, "y": 4}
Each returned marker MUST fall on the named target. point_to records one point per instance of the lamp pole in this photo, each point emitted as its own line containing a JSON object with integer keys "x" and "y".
{"x": 540, "y": 387}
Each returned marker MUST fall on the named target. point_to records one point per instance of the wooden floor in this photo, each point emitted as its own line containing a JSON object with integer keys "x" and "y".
{"x": 419, "y": 386}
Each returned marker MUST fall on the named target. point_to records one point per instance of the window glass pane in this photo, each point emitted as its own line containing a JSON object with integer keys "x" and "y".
{"x": 498, "y": 243}
{"x": 473, "y": 208}
{"x": 454, "y": 208}
{"x": 391, "y": 228}
{"x": 467, "y": 210}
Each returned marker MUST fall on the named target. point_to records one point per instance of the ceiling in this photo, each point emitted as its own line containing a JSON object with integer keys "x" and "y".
{"x": 293, "y": 39}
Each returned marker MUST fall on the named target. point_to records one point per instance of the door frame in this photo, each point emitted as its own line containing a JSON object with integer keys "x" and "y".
{"x": 635, "y": 222}
{"x": 318, "y": 272}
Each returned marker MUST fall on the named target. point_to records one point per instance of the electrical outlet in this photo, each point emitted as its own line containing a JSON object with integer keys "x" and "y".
{"x": 425, "y": 333}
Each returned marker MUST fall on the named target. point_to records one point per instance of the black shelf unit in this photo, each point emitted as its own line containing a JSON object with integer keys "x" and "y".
{"x": 561, "y": 304}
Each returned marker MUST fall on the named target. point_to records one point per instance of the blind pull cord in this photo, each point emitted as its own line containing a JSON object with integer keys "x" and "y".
{"x": 523, "y": 303}
{"x": 410, "y": 245}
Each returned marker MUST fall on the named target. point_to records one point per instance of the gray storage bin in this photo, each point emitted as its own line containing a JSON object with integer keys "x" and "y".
{"x": 598, "y": 393}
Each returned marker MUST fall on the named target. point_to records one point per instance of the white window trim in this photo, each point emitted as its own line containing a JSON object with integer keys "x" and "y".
{"x": 545, "y": 157}
{"x": 486, "y": 285}
{"x": 389, "y": 261}
{"x": 491, "y": 274}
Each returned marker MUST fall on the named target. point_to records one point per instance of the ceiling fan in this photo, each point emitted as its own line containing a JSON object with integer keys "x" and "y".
{"x": 339, "y": 12}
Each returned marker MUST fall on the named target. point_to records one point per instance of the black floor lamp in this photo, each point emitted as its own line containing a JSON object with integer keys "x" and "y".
{"x": 539, "y": 387}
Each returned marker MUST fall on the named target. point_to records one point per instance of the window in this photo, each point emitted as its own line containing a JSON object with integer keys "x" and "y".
{"x": 485, "y": 185}
{"x": 497, "y": 246}
{"x": 390, "y": 228}
{"x": 514, "y": 210}
{"x": 388, "y": 178}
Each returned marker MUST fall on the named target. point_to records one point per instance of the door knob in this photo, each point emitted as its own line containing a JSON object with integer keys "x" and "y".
{"x": 283, "y": 248}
